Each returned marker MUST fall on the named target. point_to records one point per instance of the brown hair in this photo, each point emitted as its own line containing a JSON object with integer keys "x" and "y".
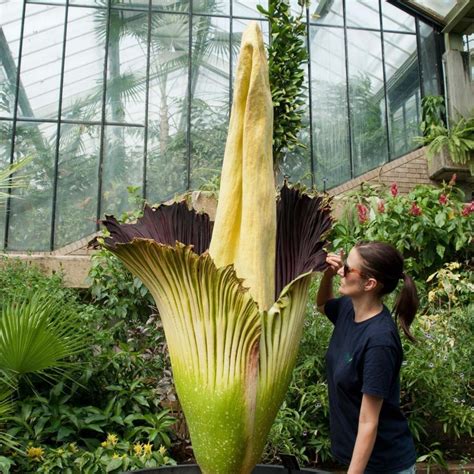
{"x": 384, "y": 262}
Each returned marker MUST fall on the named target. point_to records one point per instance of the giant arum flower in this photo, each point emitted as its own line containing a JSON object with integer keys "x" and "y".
{"x": 232, "y": 296}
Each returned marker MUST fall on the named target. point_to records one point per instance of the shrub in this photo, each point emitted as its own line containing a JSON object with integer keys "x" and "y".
{"x": 429, "y": 225}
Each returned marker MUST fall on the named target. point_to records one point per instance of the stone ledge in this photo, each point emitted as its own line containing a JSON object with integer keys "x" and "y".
{"x": 75, "y": 268}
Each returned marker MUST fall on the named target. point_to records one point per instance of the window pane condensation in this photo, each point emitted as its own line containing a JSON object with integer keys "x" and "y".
{"x": 167, "y": 158}
{"x": 126, "y": 78}
{"x": 329, "y": 104}
{"x": 30, "y": 211}
{"x": 9, "y": 43}
{"x": 76, "y": 205}
{"x": 367, "y": 100}
{"x": 41, "y": 61}
{"x": 403, "y": 91}
{"x": 209, "y": 98}
{"x": 84, "y": 64}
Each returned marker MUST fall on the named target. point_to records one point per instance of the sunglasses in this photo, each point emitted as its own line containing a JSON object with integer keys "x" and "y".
{"x": 347, "y": 269}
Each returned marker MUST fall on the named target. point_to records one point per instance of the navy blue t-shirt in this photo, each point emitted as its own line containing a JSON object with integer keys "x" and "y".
{"x": 365, "y": 357}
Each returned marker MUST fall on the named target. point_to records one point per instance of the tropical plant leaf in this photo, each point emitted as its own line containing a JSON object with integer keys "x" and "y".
{"x": 37, "y": 335}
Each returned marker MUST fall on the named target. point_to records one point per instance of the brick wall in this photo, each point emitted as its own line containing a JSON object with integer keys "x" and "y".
{"x": 407, "y": 172}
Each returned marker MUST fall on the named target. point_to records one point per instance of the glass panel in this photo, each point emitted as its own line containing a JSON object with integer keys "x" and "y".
{"x": 130, "y": 4}
{"x": 96, "y": 3}
{"x": 122, "y": 167}
{"x": 367, "y": 104}
{"x": 58, "y": 2}
{"x": 395, "y": 19}
{"x": 403, "y": 91}
{"x": 84, "y": 64}
{"x": 247, "y": 8}
{"x": 221, "y": 7}
{"x": 5, "y": 149}
{"x": 172, "y": 5}
{"x": 9, "y": 42}
{"x": 297, "y": 163}
{"x": 440, "y": 7}
{"x": 30, "y": 219}
{"x": 41, "y": 61}
{"x": 363, "y": 13}
{"x": 168, "y": 107}
{"x": 126, "y": 82}
{"x": 210, "y": 98}
{"x": 429, "y": 65}
{"x": 327, "y": 12}
{"x": 76, "y": 206}
{"x": 329, "y": 102}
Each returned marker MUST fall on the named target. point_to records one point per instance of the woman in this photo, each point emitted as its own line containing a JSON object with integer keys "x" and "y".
{"x": 368, "y": 431}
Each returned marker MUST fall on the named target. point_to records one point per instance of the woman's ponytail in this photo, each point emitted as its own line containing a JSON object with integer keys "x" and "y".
{"x": 406, "y": 305}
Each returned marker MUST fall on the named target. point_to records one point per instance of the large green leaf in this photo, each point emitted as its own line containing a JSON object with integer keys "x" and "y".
{"x": 38, "y": 335}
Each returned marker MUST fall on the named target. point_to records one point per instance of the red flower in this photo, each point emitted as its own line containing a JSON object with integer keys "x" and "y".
{"x": 381, "y": 206}
{"x": 415, "y": 209}
{"x": 452, "y": 182}
{"x": 362, "y": 213}
{"x": 468, "y": 209}
{"x": 443, "y": 199}
{"x": 394, "y": 189}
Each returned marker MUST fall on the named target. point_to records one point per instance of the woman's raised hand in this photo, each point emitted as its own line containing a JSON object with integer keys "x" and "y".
{"x": 335, "y": 262}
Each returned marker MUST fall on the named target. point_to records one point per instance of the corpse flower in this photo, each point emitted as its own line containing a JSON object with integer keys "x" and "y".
{"x": 232, "y": 296}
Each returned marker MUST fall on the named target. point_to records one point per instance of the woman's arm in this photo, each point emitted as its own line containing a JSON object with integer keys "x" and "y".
{"x": 325, "y": 292}
{"x": 366, "y": 433}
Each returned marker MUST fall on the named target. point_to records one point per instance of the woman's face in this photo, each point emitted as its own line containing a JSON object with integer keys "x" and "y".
{"x": 353, "y": 283}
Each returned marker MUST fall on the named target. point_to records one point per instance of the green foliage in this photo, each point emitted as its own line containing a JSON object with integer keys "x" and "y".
{"x": 429, "y": 226}
{"x": 287, "y": 54}
{"x": 113, "y": 455}
{"x": 457, "y": 140}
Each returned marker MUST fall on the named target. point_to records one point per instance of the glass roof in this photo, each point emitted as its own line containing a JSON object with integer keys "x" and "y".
{"x": 438, "y": 8}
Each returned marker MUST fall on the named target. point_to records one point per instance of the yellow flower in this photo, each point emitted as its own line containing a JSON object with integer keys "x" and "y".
{"x": 35, "y": 453}
{"x": 104, "y": 444}
{"x": 431, "y": 296}
{"x": 162, "y": 450}
{"x": 147, "y": 448}
{"x": 138, "y": 449}
{"x": 454, "y": 265}
{"x": 115, "y": 456}
{"x": 112, "y": 439}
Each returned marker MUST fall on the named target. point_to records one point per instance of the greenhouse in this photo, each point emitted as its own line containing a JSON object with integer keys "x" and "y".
{"x": 159, "y": 308}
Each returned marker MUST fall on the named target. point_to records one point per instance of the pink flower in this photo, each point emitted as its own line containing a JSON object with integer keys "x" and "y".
{"x": 415, "y": 209}
{"x": 362, "y": 213}
{"x": 443, "y": 199}
{"x": 452, "y": 182}
{"x": 468, "y": 209}
{"x": 394, "y": 189}
{"x": 381, "y": 206}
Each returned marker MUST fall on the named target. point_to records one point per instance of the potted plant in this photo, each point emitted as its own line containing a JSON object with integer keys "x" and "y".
{"x": 449, "y": 149}
{"x": 232, "y": 294}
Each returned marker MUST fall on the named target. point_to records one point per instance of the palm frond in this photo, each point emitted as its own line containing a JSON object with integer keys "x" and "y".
{"x": 38, "y": 335}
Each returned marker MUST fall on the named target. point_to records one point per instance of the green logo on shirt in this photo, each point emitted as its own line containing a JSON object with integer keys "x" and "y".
{"x": 347, "y": 357}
